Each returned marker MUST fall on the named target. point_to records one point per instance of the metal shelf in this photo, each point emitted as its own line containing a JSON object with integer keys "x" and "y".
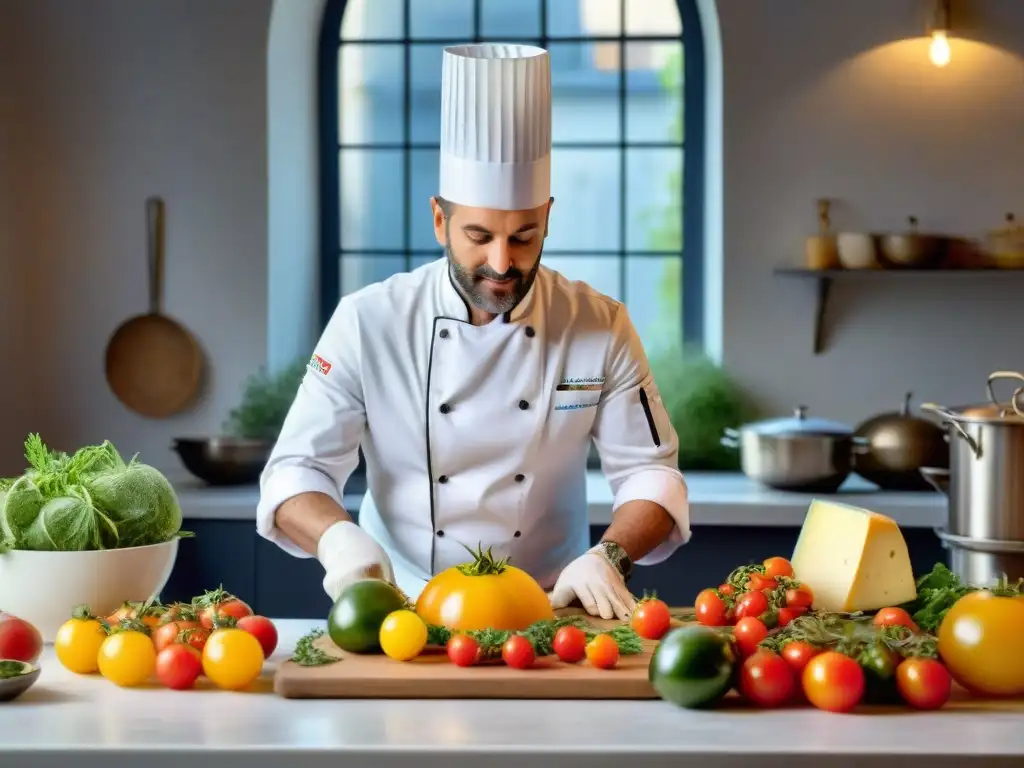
{"x": 823, "y": 279}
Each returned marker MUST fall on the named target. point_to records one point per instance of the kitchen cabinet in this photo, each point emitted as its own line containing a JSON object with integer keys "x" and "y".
{"x": 232, "y": 554}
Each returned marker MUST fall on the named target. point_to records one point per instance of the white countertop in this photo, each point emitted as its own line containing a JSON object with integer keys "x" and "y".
{"x": 716, "y": 498}
{"x": 86, "y": 722}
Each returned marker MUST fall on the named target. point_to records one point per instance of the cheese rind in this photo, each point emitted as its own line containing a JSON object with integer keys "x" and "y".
{"x": 852, "y": 559}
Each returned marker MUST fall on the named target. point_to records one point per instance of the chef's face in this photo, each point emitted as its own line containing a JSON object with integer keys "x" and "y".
{"x": 494, "y": 254}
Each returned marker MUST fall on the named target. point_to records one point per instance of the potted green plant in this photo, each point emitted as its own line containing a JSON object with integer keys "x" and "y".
{"x": 702, "y": 400}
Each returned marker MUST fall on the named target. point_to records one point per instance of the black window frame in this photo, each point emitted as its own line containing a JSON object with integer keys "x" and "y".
{"x": 692, "y": 147}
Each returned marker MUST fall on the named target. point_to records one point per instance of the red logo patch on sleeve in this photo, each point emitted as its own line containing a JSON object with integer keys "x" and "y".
{"x": 319, "y": 365}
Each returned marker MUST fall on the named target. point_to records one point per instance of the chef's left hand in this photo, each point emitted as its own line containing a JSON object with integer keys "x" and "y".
{"x": 597, "y": 584}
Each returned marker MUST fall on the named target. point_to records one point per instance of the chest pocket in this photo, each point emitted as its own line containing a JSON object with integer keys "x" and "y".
{"x": 574, "y": 406}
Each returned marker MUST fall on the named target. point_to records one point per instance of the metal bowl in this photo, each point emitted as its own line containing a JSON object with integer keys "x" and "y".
{"x": 224, "y": 460}
{"x": 12, "y": 687}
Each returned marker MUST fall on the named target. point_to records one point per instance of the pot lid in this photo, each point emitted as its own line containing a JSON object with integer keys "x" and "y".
{"x": 992, "y": 412}
{"x": 799, "y": 424}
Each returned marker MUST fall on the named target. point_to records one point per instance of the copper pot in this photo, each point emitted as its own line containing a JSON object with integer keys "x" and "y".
{"x": 898, "y": 445}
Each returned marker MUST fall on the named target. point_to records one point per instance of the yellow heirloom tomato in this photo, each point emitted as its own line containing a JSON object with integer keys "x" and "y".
{"x": 127, "y": 657}
{"x": 980, "y": 642}
{"x": 78, "y": 642}
{"x": 232, "y": 658}
{"x": 403, "y": 635}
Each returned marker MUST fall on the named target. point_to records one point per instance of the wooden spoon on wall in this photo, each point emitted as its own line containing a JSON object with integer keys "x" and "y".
{"x": 154, "y": 365}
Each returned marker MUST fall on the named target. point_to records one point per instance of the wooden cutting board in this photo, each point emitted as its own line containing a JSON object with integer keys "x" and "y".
{"x": 432, "y": 676}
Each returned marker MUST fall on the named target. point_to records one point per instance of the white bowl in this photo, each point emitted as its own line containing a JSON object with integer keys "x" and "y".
{"x": 43, "y": 588}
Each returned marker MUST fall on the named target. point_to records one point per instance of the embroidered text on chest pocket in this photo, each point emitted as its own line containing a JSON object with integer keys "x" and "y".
{"x": 576, "y": 394}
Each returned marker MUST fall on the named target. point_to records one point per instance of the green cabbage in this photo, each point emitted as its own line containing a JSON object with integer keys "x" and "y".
{"x": 86, "y": 501}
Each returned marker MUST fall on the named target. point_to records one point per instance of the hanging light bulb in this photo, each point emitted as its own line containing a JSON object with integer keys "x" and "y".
{"x": 938, "y": 50}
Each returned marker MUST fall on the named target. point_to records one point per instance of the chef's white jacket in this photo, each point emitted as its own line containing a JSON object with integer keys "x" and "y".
{"x": 477, "y": 434}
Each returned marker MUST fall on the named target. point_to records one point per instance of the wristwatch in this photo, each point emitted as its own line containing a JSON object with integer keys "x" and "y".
{"x": 617, "y": 556}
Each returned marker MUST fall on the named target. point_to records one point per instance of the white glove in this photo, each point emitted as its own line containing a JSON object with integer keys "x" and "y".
{"x": 349, "y": 554}
{"x": 594, "y": 580}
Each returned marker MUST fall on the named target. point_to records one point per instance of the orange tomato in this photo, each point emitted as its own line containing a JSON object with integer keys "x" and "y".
{"x": 833, "y": 682}
{"x": 980, "y": 643}
{"x": 775, "y": 567}
{"x": 603, "y": 651}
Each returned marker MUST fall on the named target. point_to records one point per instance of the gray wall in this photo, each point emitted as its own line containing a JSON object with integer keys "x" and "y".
{"x": 115, "y": 101}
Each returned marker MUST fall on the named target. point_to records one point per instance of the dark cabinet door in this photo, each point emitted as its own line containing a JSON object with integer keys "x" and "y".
{"x": 288, "y": 587}
{"x": 222, "y": 554}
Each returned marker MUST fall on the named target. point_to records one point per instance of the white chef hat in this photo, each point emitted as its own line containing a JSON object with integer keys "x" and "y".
{"x": 496, "y": 126}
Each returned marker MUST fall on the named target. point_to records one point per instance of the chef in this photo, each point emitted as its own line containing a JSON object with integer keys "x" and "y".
{"x": 475, "y": 384}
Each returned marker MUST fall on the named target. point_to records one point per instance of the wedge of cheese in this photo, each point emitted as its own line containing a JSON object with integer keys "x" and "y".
{"x": 852, "y": 559}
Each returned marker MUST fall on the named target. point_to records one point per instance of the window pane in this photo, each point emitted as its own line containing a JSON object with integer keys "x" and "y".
{"x": 583, "y": 18}
{"x": 585, "y": 185}
{"x": 419, "y": 261}
{"x": 449, "y": 19}
{"x": 599, "y": 272}
{"x": 654, "y": 297}
{"x": 376, "y": 20}
{"x": 423, "y": 165}
{"x": 584, "y": 101}
{"x": 510, "y": 18}
{"x": 653, "y": 17}
{"x": 372, "y": 199}
{"x": 654, "y": 210}
{"x": 654, "y": 83}
{"x": 371, "y": 79}
{"x": 425, "y": 109}
{"x": 359, "y": 270}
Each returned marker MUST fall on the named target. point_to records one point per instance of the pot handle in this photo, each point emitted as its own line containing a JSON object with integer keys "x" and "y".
{"x": 1018, "y": 407}
{"x": 951, "y": 418}
{"x": 937, "y": 478}
{"x": 730, "y": 438}
{"x": 860, "y": 446}
{"x": 993, "y": 377}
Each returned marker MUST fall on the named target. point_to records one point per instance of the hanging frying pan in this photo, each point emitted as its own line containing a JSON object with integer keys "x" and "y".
{"x": 154, "y": 365}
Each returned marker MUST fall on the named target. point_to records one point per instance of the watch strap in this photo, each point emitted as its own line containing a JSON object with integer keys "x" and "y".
{"x": 617, "y": 556}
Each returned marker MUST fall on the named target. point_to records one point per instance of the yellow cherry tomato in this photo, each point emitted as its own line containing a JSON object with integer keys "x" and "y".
{"x": 127, "y": 658}
{"x": 980, "y": 643}
{"x": 232, "y": 658}
{"x": 403, "y": 635}
{"x": 77, "y": 645}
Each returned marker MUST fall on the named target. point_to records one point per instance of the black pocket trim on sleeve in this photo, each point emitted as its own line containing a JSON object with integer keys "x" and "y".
{"x": 650, "y": 417}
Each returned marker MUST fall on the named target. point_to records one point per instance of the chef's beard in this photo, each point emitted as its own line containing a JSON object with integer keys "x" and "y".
{"x": 471, "y": 284}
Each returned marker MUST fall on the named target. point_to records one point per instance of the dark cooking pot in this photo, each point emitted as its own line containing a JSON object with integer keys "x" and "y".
{"x": 899, "y": 445}
{"x": 224, "y": 460}
{"x": 796, "y": 454}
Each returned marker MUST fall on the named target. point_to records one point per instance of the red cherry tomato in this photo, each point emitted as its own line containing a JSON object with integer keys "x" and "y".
{"x": 924, "y": 683}
{"x": 766, "y": 679}
{"x": 570, "y": 644}
{"x": 833, "y": 682}
{"x": 727, "y": 589}
{"x": 799, "y": 597}
{"x": 787, "y": 614}
{"x": 19, "y": 639}
{"x": 463, "y": 650}
{"x": 710, "y": 609}
{"x": 892, "y": 617}
{"x": 262, "y": 629}
{"x": 751, "y": 604}
{"x": 651, "y": 619}
{"x": 778, "y": 566}
{"x": 518, "y": 652}
{"x": 231, "y": 606}
{"x": 797, "y": 653}
{"x": 178, "y": 666}
{"x": 758, "y": 582}
{"x": 748, "y": 632}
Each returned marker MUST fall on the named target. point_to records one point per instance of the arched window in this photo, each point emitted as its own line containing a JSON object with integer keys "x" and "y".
{"x": 628, "y": 109}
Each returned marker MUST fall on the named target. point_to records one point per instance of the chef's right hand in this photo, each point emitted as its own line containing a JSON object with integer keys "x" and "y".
{"x": 349, "y": 554}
